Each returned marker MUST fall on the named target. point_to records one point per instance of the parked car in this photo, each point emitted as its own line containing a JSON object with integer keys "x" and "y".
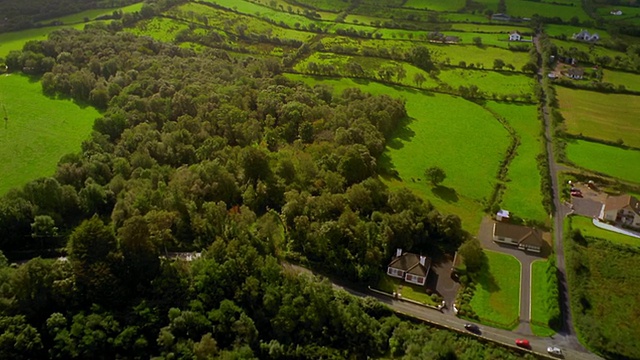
{"x": 575, "y": 189}
{"x": 523, "y": 343}
{"x": 576, "y": 194}
{"x": 473, "y": 328}
{"x": 554, "y": 350}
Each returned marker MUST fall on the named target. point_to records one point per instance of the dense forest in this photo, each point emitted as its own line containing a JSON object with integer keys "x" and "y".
{"x": 203, "y": 152}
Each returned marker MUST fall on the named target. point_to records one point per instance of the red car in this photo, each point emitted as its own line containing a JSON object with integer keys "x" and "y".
{"x": 523, "y": 343}
{"x": 576, "y": 193}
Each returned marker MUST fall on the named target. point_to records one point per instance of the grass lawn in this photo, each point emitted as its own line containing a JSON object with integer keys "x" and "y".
{"x": 497, "y": 295}
{"x": 39, "y": 132}
{"x": 630, "y": 81}
{"x": 539, "y": 298}
{"x": 603, "y": 116}
{"x": 587, "y": 228}
{"x": 606, "y": 159}
{"x": 408, "y": 291}
{"x": 522, "y": 194}
{"x": 436, "y": 136}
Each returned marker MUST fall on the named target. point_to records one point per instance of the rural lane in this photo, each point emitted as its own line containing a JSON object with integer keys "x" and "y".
{"x": 448, "y": 320}
{"x": 569, "y": 338}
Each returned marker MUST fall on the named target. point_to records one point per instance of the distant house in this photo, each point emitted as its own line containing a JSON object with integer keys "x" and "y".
{"x": 436, "y": 36}
{"x": 616, "y": 12}
{"x": 451, "y": 39}
{"x": 624, "y": 209}
{"x": 410, "y": 267}
{"x": 500, "y": 17}
{"x": 584, "y": 35}
{"x": 525, "y": 238}
{"x": 515, "y": 36}
{"x": 576, "y": 73}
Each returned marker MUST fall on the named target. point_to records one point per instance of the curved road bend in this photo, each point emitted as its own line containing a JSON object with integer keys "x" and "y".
{"x": 568, "y": 334}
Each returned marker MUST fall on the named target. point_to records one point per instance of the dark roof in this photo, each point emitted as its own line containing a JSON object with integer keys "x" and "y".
{"x": 576, "y": 71}
{"x": 523, "y": 234}
{"x": 619, "y": 202}
{"x": 410, "y": 263}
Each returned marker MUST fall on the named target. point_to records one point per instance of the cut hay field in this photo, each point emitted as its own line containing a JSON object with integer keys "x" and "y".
{"x": 630, "y": 81}
{"x": 522, "y": 195}
{"x": 497, "y": 295}
{"x": 39, "y": 132}
{"x": 529, "y": 8}
{"x": 603, "y": 116}
{"x": 606, "y": 159}
{"x": 467, "y": 143}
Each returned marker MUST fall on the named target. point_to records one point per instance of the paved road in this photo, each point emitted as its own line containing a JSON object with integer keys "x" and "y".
{"x": 569, "y": 339}
{"x": 538, "y": 344}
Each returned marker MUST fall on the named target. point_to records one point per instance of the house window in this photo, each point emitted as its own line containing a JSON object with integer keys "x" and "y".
{"x": 420, "y": 280}
{"x": 391, "y": 271}
{"x": 409, "y": 277}
{"x": 400, "y": 273}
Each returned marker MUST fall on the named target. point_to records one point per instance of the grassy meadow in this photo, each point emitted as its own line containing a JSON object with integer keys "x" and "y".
{"x": 606, "y": 159}
{"x": 604, "y": 116}
{"x": 529, "y": 8}
{"x": 435, "y": 5}
{"x": 39, "y": 132}
{"x": 468, "y": 144}
{"x": 586, "y": 227}
{"x": 496, "y": 299}
{"x": 522, "y": 194}
{"x": 630, "y": 81}
{"x": 539, "y": 297}
{"x": 604, "y": 300}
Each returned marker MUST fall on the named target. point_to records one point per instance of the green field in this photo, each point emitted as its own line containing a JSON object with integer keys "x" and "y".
{"x": 586, "y": 227}
{"x": 604, "y": 116}
{"x": 630, "y": 81}
{"x": 529, "y": 8}
{"x": 435, "y": 5}
{"x": 489, "y": 82}
{"x": 15, "y": 40}
{"x": 604, "y": 299}
{"x": 539, "y": 297}
{"x": 606, "y": 159}
{"x": 39, "y": 132}
{"x": 93, "y": 13}
{"x": 436, "y": 136}
{"x": 497, "y": 295}
{"x": 522, "y": 194}
{"x": 491, "y": 29}
{"x": 568, "y": 31}
{"x": 162, "y": 29}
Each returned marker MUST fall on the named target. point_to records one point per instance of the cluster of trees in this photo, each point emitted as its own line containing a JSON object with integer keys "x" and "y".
{"x": 185, "y": 138}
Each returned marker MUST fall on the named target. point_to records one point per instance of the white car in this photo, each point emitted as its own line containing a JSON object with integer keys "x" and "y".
{"x": 554, "y": 350}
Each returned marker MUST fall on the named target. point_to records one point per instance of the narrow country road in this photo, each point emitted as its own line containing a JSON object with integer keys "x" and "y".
{"x": 568, "y": 334}
{"x": 538, "y": 344}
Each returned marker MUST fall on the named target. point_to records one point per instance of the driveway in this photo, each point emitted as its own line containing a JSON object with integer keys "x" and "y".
{"x": 485, "y": 235}
{"x": 440, "y": 280}
{"x": 586, "y": 207}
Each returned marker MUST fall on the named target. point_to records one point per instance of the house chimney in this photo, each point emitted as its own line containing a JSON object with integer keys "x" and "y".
{"x": 423, "y": 260}
{"x": 398, "y": 252}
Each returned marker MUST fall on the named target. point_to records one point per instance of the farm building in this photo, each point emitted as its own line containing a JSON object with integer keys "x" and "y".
{"x": 624, "y": 209}
{"x": 500, "y": 17}
{"x": 616, "y": 12}
{"x": 410, "y": 267}
{"x": 515, "y": 36}
{"x": 584, "y": 35}
{"x": 576, "y": 73}
{"x": 525, "y": 238}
